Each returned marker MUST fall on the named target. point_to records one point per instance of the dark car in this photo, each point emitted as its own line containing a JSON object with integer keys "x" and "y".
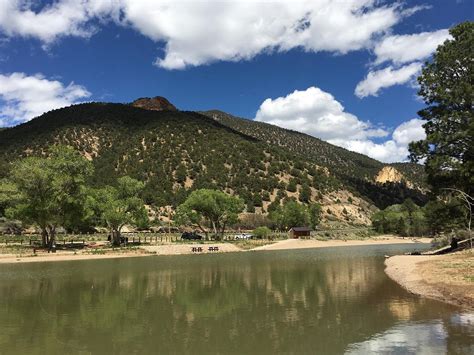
{"x": 191, "y": 236}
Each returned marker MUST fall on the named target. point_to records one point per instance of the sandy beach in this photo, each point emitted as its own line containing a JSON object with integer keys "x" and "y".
{"x": 448, "y": 278}
{"x": 181, "y": 249}
{"x": 313, "y": 243}
{"x": 146, "y": 250}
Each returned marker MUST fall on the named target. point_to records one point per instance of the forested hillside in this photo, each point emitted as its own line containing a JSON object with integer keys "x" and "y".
{"x": 175, "y": 152}
{"x": 356, "y": 171}
{"x": 340, "y": 161}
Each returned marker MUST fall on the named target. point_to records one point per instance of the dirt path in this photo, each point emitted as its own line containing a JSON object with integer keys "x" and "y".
{"x": 448, "y": 278}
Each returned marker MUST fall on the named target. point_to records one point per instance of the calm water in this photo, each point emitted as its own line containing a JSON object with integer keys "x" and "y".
{"x": 321, "y": 301}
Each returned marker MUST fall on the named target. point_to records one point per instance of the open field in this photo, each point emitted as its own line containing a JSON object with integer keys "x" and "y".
{"x": 448, "y": 278}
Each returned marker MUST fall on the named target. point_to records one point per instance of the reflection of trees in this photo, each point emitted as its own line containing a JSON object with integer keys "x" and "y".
{"x": 223, "y": 303}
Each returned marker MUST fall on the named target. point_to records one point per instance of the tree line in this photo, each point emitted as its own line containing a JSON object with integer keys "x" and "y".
{"x": 410, "y": 220}
{"x": 52, "y": 192}
{"x": 55, "y": 191}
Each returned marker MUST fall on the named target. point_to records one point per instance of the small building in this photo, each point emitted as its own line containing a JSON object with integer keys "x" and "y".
{"x": 298, "y": 232}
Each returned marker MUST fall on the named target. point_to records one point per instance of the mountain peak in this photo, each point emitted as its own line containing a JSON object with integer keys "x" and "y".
{"x": 157, "y": 103}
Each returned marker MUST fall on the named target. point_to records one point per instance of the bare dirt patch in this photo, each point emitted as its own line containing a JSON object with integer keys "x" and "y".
{"x": 448, "y": 278}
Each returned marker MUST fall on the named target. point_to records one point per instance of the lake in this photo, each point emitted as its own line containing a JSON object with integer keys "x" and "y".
{"x": 314, "y": 301}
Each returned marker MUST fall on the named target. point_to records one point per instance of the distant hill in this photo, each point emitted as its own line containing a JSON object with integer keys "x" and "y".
{"x": 340, "y": 161}
{"x": 175, "y": 152}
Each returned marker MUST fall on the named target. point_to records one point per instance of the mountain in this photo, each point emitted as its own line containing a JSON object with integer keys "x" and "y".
{"x": 357, "y": 171}
{"x": 175, "y": 152}
{"x": 340, "y": 161}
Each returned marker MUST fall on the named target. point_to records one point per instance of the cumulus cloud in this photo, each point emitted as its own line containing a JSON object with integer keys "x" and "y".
{"x": 399, "y": 50}
{"x": 202, "y": 32}
{"x": 409, "y": 48}
{"x": 315, "y": 112}
{"x": 409, "y": 131}
{"x": 24, "y": 97}
{"x": 392, "y": 150}
{"x": 64, "y": 18}
{"x": 319, "y": 114}
{"x": 384, "y": 78}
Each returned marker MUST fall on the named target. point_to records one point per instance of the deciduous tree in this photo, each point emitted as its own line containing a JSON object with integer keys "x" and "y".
{"x": 120, "y": 205}
{"x": 214, "y": 208}
{"x": 291, "y": 214}
{"x": 314, "y": 215}
{"x": 49, "y": 192}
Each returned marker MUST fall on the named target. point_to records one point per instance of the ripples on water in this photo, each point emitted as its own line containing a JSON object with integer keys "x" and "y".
{"x": 302, "y": 301}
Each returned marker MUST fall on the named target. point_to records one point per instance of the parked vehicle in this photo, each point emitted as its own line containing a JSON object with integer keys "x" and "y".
{"x": 243, "y": 236}
{"x": 191, "y": 236}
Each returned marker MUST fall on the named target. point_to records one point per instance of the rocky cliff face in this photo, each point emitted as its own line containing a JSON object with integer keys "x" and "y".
{"x": 390, "y": 174}
{"x": 157, "y": 103}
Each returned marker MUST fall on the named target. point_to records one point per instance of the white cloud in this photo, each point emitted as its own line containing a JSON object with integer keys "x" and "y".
{"x": 387, "y": 152}
{"x": 405, "y": 337}
{"x": 319, "y": 114}
{"x": 202, "y": 32}
{"x": 24, "y": 97}
{"x": 409, "y": 131}
{"x": 409, "y": 48}
{"x": 64, "y": 18}
{"x": 399, "y": 50}
{"x": 392, "y": 150}
{"x": 384, "y": 78}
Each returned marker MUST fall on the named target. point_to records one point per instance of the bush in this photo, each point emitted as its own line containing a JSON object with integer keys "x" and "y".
{"x": 262, "y": 232}
{"x": 440, "y": 241}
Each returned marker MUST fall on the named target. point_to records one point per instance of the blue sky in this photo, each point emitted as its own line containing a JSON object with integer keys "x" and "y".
{"x": 343, "y": 71}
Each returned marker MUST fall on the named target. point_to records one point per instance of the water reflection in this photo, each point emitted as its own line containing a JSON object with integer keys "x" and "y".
{"x": 295, "y": 302}
{"x": 454, "y": 335}
{"x": 428, "y": 338}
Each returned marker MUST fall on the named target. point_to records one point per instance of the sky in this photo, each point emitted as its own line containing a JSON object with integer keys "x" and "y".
{"x": 341, "y": 70}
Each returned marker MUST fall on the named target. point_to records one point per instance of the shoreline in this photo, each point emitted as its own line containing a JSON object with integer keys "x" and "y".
{"x": 289, "y": 244}
{"x": 185, "y": 249}
{"x": 447, "y": 278}
{"x": 144, "y": 251}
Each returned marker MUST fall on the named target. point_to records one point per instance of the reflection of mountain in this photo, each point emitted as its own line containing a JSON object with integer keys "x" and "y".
{"x": 236, "y": 303}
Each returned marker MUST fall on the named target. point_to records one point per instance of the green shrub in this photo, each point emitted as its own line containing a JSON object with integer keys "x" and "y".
{"x": 262, "y": 232}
